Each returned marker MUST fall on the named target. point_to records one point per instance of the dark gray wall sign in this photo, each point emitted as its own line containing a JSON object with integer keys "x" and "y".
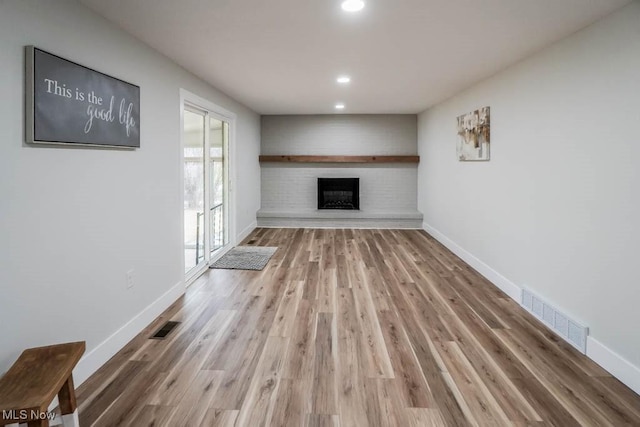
{"x": 68, "y": 103}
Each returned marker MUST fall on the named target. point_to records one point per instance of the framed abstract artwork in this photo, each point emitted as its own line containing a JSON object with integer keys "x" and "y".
{"x": 474, "y": 135}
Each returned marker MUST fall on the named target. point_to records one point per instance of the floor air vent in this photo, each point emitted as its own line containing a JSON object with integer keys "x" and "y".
{"x": 164, "y": 330}
{"x": 570, "y": 330}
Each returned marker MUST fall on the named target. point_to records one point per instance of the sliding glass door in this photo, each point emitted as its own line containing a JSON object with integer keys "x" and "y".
{"x": 206, "y": 177}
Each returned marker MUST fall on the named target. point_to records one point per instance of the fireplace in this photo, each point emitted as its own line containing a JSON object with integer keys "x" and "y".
{"x": 339, "y": 193}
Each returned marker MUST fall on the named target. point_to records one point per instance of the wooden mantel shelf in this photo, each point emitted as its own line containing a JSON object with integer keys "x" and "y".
{"x": 340, "y": 159}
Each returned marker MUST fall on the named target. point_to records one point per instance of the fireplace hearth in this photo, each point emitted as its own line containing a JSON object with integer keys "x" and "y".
{"x": 339, "y": 193}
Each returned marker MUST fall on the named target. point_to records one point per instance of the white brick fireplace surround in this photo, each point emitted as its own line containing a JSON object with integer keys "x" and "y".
{"x": 388, "y": 191}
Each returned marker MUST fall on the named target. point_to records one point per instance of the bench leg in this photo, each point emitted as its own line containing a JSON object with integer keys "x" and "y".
{"x": 67, "y": 397}
{"x": 68, "y": 404}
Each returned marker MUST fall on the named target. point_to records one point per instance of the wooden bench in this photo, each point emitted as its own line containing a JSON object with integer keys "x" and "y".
{"x": 39, "y": 374}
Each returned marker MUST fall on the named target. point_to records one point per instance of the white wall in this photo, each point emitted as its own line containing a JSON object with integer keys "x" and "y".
{"x": 383, "y": 187}
{"x": 557, "y": 208}
{"x": 73, "y": 221}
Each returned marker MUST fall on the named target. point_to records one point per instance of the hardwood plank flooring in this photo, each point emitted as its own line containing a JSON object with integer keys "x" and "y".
{"x": 352, "y": 328}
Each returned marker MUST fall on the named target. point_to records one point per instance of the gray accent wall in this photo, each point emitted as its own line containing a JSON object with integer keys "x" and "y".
{"x": 387, "y": 190}
{"x": 340, "y": 134}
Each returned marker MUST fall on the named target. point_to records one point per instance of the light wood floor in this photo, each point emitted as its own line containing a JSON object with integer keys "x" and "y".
{"x": 352, "y": 328}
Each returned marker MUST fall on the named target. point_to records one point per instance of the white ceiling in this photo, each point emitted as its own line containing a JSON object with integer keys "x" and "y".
{"x": 283, "y": 56}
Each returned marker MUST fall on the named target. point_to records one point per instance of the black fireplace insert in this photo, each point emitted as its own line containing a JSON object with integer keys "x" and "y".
{"x": 339, "y": 193}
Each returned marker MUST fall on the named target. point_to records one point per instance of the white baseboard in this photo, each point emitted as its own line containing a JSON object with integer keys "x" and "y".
{"x": 244, "y": 233}
{"x": 615, "y": 364}
{"x": 612, "y": 362}
{"x": 507, "y": 286}
{"x": 98, "y": 356}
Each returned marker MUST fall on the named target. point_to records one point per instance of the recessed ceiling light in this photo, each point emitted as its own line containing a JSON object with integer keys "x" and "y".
{"x": 343, "y": 79}
{"x": 352, "y": 5}
{"x": 340, "y": 106}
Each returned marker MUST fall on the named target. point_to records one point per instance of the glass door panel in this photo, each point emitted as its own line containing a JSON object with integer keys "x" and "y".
{"x": 216, "y": 183}
{"x": 194, "y": 189}
{"x": 225, "y": 180}
{"x": 217, "y": 178}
